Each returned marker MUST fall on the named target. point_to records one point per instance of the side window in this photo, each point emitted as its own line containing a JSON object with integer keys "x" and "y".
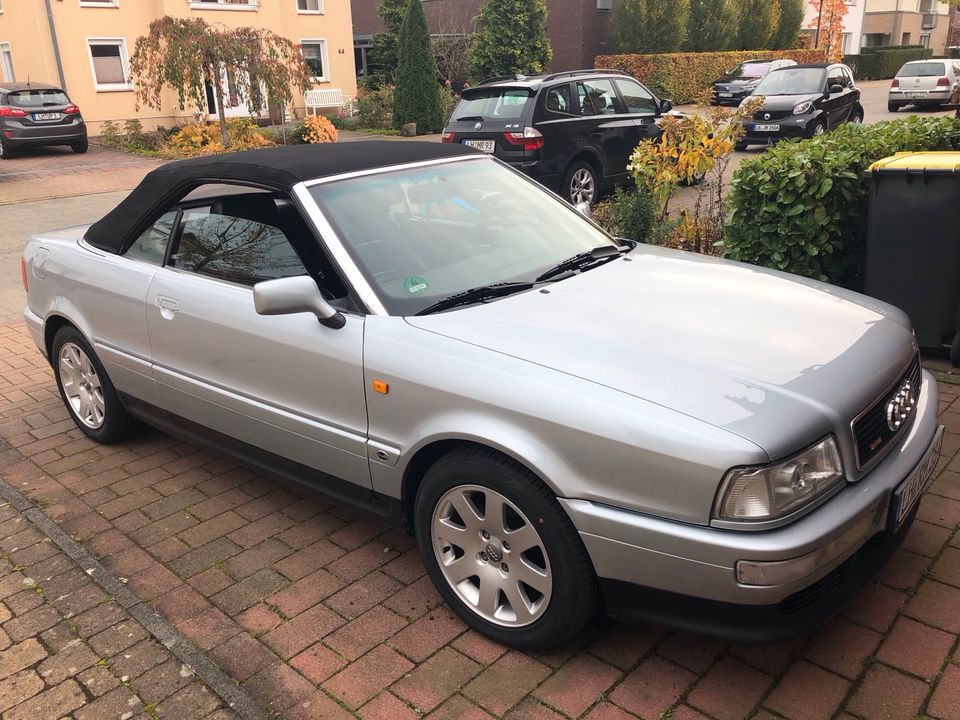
{"x": 559, "y": 100}
{"x": 233, "y": 248}
{"x": 151, "y": 246}
{"x": 848, "y": 76}
{"x": 637, "y": 97}
{"x": 601, "y": 95}
{"x": 835, "y": 77}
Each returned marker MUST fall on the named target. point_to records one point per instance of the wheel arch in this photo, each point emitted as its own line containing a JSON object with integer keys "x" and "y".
{"x": 51, "y": 326}
{"x": 591, "y": 157}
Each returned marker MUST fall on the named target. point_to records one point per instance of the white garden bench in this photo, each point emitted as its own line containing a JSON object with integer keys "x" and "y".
{"x": 316, "y": 99}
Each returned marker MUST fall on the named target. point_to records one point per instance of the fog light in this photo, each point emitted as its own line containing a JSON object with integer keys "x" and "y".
{"x": 782, "y": 572}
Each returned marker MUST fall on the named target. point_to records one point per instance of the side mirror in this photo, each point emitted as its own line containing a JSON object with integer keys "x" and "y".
{"x": 583, "y": 208}
{"x": 834, "y": 89}
{"x": 665, "y": 106}
{"x": 286, "y": 296}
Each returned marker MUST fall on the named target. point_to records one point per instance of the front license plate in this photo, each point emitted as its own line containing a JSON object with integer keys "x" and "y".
{"x": 911, "y": 489}
{"x": 917, "y": 94}
{"x": 723, "y": 94}
{"x": 767, "y": 128}
{"x": 46, "y": 116}
{"x": 486, "y": 146}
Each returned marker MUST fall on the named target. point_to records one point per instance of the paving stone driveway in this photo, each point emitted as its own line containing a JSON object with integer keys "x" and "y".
{"x": 318, "y": 612}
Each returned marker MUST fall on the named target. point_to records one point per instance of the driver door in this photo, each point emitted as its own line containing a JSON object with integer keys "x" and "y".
{"x": 838, "y": 105}
{"x": 282, "y": 384}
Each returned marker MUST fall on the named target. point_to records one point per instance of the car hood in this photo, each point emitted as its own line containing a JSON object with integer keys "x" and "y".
{"x": 773, "y": 358}
{"x": 787, "y": 102}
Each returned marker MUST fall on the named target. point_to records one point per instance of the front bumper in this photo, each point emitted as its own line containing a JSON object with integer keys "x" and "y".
{"x": 794, "y": 126}
{"x": 653, "y": 569}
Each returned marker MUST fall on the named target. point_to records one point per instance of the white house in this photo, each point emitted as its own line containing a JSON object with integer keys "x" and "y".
{"x": 852, "y": 24}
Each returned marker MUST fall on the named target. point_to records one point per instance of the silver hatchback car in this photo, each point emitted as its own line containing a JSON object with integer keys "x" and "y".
{"x": 567, "y": 421}
{"x": 925, "y": 83}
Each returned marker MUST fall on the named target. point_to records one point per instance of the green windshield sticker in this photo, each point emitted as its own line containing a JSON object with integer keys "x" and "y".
{"x": 414, "y": 285}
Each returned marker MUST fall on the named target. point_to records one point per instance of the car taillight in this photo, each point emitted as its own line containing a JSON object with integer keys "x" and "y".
{"x": 11, "y": 112}
{"x": 895, "y": 83}
{"x": 23, "y": 273}
{"x": 943, "y": 82}
{"x": 447, "y": 137}
{"x": 71, "y": 109}
{"x": 529, "y": 139}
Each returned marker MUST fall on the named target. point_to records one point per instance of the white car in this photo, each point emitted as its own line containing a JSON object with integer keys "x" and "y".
{"x": 924, "y": 83}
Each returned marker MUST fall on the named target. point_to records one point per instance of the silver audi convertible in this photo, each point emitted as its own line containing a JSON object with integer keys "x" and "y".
{"x": 569, "y": 423}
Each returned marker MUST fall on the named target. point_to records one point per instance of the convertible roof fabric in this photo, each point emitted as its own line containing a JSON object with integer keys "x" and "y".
{"x": 273, "y": 168}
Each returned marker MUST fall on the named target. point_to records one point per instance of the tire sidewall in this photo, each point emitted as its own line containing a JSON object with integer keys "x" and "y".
{"x": 116, "y": 423}
{"x": 568, "y": 180}
{"x": 556, "y": 531}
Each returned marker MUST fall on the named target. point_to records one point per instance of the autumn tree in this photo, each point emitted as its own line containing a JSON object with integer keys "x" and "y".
{"x": 510, "y": 37}
{"x": 650, "y": 26}
{"x": 788, "y": 28}
{"x": 756, "y": 23}
{"x": 828, "y": 23}
{"x": 416, "y": 98}
{"x": 711, "y": 25}
{"x": 188, "y": 55}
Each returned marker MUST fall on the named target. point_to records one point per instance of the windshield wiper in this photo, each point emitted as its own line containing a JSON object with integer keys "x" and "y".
{"x": 476, "y": 295}
{"x": 469, "y": 117}
{"x": 581, "y": 261}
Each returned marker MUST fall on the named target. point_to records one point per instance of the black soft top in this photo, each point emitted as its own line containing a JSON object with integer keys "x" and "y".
{"x": 272, "y": 169}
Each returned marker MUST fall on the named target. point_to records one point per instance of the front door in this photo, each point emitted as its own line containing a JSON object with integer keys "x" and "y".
{"x": 284, "y": 384}
{"x": 838, "y": 105}
{"x": 607, "y": 126}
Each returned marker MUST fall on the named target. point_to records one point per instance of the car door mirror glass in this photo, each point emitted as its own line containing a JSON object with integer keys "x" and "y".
{"x": 290, "y": 295}
{"x": 665, "y": 106}
{"x": 836, "y": 88}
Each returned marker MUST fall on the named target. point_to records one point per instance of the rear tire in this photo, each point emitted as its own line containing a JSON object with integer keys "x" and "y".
{"x": 5, "y": 152}
{"x": 580, "y": 183}
{"x": 531, "y": 538}
{"x": 80, "y": 147}
{"x": 741, "y": 146}
{"x": 86, "y": 390}
{"x": 856, "y": 117}
{"x": 893, "y": 107}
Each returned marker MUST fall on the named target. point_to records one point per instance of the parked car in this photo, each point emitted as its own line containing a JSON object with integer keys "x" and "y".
{"x": 741, "y": 81}
{"x": 803, "y": 101}
{"x": 924, "y": 83}
{"x": 558, "y": 416}
{"x": 571, "y": 131}
{"x": 32, "y": 114}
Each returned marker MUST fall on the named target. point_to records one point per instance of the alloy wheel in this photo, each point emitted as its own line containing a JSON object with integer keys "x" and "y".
{"x": 581, "y": 186}
{"x": 819, "y": 129}
{"x": 81, "y": 385}
{"x": 491, "y": 555}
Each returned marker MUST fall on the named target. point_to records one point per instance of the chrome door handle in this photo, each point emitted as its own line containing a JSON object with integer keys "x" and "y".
{"x": 167, "y": 303}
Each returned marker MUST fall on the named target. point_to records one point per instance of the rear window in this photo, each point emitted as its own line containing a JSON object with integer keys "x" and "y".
{"x": 487, "y": 103}
{"x": 37, "y": 98}
{"x": 924, "y": 69}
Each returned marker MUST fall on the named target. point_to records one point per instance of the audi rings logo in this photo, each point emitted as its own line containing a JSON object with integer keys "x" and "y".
{"x": 901, "y": 406}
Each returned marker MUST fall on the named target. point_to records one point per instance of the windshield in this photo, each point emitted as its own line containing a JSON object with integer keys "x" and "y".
{"x": 492, "y": 103}
{"x": 791, "y": 81}
{"x": 423, "y": 234}
{"x": 28, "y": 99}
{"x": 925, "y": 69}
{"x": 749, "y": 70}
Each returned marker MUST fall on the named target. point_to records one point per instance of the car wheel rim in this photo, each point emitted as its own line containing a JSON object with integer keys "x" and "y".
{"x": 857, "y": 120}
{"x": 81, "y": 386}
{"x": 818, "y": 129}
{"x": 492, "y": 556}
{"x": 581, "y": 186}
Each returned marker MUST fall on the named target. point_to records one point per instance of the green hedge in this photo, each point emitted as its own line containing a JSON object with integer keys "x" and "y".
{"x": 684, "y": 76}
{"x": 883, "y": 63}
{"x": 802, "y": 205}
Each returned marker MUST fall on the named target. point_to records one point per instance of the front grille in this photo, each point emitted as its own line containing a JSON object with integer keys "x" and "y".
{"x": 870, "y": 430}
{"x": 774, "y": 115}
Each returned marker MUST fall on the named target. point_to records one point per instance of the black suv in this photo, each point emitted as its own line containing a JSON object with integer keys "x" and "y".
{"x": 32, "y": 114}
{"x": 803, "y": 101}
{"x": 571, "y": 131}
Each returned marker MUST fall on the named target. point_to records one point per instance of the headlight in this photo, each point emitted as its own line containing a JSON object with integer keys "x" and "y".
{"x": 803, "y": 108}
{"x": 769, "y": 492}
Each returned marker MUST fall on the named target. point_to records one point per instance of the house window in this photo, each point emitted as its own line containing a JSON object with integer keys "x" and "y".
{"x": 310, "y": 6}
{"x": 224, "y": 4}
{"x": 925, "y": 40}
{"x": 99, "y": 3}
{"x": 108, "y": 62}
{"x": 315, "y": 55}
{"x": 845, "y": 48}
{"x": 6, "y": 63}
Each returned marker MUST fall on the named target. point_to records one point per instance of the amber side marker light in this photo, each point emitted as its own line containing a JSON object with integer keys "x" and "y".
{"x": 379, "y": 386}
{"x": 23, "y": 273}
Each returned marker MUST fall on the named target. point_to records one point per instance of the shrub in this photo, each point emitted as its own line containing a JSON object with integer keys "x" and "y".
{"x": 375, "y": 107}
{"x": 131, "y": 138}
{"x": 682, "y": 77}
{"x": 204, "y": 139}
{"x": 883, "y": 63}
{"x": 510, "y": 38}
{"x": 629, "y": 214}
{"x": 802, "y": 206}
{"x": 649, "y": 25}
{"x": 318, "y": 129}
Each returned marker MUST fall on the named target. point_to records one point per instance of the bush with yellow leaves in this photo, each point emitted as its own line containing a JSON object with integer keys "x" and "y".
{"x": 196, "y": 139}
{"x": 318, "y": 129}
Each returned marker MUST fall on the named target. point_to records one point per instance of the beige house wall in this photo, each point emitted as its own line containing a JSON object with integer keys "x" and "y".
{"x": 896, "y": 17}
{"x": 24, "y": 26}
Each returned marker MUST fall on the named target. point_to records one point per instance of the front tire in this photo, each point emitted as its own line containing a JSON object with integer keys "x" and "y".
{"x": 86, "y": 390}
{"x": 580, "y": 183}
{"x": 819, "y": 128}
{"x": 502, "y": 552}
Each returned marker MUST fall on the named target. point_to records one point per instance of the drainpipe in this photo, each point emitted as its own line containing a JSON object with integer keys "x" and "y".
{"x": 56, "y": 46}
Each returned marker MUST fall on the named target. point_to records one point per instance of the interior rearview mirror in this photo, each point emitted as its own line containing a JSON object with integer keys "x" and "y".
{"x": 583, "y": 208}
{"x": 286, "y": 296}
{"x": 834, "y": 89}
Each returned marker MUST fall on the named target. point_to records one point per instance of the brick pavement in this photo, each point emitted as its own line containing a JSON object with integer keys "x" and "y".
{"x": 319, "y": 612}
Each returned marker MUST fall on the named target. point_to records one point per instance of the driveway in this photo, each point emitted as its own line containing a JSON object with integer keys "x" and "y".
{"x": 317, "y": 612}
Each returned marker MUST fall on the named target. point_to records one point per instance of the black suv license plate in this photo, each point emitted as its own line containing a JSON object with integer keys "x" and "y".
{"x": 911, "y": 489}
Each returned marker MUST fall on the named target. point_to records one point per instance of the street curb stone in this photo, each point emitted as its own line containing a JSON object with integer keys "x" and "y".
{"x": 188, "y": 653}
